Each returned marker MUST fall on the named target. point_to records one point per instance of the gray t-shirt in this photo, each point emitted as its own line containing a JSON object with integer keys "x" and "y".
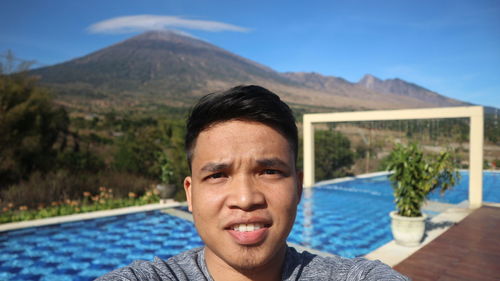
{"x": 191, "y": 265}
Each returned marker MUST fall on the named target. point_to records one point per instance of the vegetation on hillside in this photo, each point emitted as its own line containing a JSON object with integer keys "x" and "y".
{"x": 57, "y": 158}
{"x": 54, "y": 161}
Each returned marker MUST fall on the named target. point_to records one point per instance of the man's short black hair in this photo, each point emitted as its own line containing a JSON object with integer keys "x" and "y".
{"x": 246, "y": 103}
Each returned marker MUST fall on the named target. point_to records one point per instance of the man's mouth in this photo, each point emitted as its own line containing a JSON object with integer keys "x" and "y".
{"x": 245, "y": 227}
{"x": 249, "y": 233}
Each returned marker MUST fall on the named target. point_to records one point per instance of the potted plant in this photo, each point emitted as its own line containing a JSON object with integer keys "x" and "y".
{"x": 414, "y": 177}
{"x": 167, "y": 187}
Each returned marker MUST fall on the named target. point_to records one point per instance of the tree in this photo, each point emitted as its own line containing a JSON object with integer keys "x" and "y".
{"x": 146, "y": 147}
{"x": 172, "y": 132}
{"x": 333, "y": 157}
{"x": 137, "y": 152}
{"x": 30, "y": 126}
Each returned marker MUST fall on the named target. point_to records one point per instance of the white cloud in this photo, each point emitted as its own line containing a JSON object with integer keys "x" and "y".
{"x": 139, "y": 23}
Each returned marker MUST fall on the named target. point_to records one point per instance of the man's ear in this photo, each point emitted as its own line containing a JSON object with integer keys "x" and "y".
{"x": 300, "y": 180}
{"x": 188, "y": 185}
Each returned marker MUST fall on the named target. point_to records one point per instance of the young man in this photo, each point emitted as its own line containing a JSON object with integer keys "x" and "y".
{"x": 243, "y": 192}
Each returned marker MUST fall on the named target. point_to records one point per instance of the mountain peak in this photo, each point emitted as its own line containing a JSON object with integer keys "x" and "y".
{"x": 369, "y": 81}
{"x": 160, "y": 35}
{"x": 162, "y": 63}
{"x": 171, "y": 37}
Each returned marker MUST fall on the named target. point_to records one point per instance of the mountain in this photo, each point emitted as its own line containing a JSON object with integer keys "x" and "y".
{"x": 164, "y": 67}
{"x": 162, "y": 63}
{"x": 403, "y": 88}
{"x": 378, "y": 92}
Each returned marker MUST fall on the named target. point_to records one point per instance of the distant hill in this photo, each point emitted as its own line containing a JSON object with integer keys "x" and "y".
{"x": 403, "y": 88}
{"x": 168, "y": 68}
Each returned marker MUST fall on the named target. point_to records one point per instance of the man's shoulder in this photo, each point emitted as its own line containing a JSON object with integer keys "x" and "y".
{"x": 314, "y": 267}
{"x": 184, "y": 266}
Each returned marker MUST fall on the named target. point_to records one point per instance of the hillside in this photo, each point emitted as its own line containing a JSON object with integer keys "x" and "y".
{"x": 164, "y": 67}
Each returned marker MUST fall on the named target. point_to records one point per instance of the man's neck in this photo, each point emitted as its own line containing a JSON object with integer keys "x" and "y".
{"x": 222, "y": 271}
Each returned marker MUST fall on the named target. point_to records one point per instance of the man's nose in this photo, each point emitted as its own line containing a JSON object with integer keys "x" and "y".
{"x": 245, "y": 194}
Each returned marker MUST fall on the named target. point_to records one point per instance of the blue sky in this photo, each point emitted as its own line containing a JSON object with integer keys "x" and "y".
{"x": 451, "y": 47}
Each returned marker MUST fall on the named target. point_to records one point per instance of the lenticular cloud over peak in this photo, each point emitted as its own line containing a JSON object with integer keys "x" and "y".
{"x": 139, "y": 23}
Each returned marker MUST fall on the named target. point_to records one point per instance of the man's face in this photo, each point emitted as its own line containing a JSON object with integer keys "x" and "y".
{"x": 243, "y": 193}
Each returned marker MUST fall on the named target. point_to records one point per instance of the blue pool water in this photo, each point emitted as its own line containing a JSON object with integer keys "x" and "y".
{"x": 342, "y": 222}
{"x": 460, "y": 192}
{"x": 87, "y": 249}
{"x": 349, "y": 218}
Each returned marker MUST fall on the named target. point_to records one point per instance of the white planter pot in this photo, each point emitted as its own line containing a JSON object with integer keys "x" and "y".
{"x": 407, "y": 231}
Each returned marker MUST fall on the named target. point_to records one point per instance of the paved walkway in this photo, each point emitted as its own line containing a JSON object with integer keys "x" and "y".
{"x": 469, "y": 250}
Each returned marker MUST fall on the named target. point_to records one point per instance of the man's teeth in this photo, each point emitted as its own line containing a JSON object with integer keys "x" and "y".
{"x": 247, "y": 227}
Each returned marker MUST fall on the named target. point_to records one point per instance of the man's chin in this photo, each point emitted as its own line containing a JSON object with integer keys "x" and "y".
{"x": 251, "y": 258}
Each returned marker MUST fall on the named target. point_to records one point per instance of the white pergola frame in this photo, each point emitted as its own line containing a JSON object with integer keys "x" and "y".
{"x": 475, "y": 113}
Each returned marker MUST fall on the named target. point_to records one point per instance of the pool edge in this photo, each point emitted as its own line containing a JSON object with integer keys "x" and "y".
{"x": 86, "y": 216}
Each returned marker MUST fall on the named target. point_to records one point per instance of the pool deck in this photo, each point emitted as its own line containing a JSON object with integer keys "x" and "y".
{"x": 470, "y": 250}
{"x": 450, "y": 215}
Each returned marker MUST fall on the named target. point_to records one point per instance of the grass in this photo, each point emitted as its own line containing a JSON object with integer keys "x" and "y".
{"x": 103, "y": 200}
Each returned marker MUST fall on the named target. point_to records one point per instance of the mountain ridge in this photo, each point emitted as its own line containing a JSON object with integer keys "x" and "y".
{"x": 166, "y": 67}
{"x": 400, "y": 87}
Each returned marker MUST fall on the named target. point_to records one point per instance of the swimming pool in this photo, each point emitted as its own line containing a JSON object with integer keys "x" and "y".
{"x": 87, "y": 249}
{"x": 349, "y": 218}
{"x": 341, "y": 222}
{"x": 460, "y": 192}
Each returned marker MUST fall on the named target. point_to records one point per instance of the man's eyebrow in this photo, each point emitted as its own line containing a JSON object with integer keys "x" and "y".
{"x": 214, "y": 167}
{"x": 272, "y": 162}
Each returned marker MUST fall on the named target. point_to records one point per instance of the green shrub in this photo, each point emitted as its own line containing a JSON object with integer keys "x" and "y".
{"x": 416, "y": 175}
{"x": 125, "y": 183}
{"x": 333, "y": 155}
{"x": 78, "y": 161}
{"x": 42, "y": 190}
{"x": 63, "y": 185}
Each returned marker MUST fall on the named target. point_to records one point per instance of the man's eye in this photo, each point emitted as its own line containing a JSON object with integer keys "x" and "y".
{"x": 216, "y": 176}
{"x": 271, "y": 172}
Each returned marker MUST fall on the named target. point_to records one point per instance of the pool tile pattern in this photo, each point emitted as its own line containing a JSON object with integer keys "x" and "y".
{"x": 87, "y": 249}
{"x": 349, "y": 224}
